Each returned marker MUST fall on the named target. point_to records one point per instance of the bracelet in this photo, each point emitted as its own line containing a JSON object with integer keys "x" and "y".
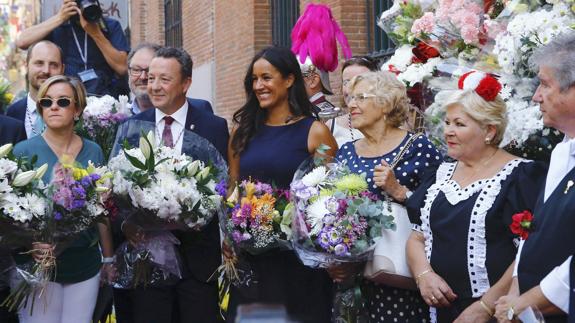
{"x": 108, "y": 260}
{"x": 486, "y": 308}
{"x": 421, "y": 275}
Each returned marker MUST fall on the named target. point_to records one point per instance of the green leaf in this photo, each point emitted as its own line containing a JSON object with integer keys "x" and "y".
{"x": 135, "y": 161}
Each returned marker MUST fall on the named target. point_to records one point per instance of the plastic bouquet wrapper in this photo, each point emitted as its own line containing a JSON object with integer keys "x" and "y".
{"x": 71, "y": 203}
{"x": 337, "y": 218}
{"x": 398, "y": 20}
{"x": 101, "y": 118}
{"x": 161, "y": 189}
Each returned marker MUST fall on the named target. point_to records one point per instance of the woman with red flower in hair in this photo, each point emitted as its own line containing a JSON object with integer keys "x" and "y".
{"x": 462, "y": 242}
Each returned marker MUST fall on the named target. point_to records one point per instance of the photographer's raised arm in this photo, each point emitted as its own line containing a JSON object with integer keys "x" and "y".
{"x": 117, "y": 59}
{"x": 40, "y": 31}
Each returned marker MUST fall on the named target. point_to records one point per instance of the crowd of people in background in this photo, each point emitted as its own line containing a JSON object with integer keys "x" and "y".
{"x": 467, "y": 265}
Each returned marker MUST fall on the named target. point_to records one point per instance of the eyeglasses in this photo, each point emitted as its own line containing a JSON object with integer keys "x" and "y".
{"x": 62, "y": 102}
{"x": 136, "y": 71}
{"x": 359, "y": 98}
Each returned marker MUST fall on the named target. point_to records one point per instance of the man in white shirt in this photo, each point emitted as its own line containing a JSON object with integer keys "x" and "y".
{"x": 43, "y": 61}
{"x": 548, "y": 246}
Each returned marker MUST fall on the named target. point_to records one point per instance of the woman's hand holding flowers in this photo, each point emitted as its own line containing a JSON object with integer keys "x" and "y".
{"x": 344, "y": 271}
{"x": 384, "y": 177}
{"x": 435, "y": 291}
{"x": 108, "y": 273}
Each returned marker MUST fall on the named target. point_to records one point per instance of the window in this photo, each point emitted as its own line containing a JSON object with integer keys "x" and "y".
{"x": 173, "y": 22}
{"x": 284, "y": 16}
{"x": 379, "y": 44}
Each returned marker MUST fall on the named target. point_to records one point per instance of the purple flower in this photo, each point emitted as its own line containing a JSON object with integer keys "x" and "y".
{"x": 57, "y": 216}
{"x": 334, "y": 237}
{"x": 264, "y": 188}
{"x": 341, "y": 250}
{"x": 79, "y": 192}
{"x": 237, "y": 236}
{"x": 342, "y": 208}
{"x": 222, "y": 188}
{"x": 302, "y": 191}
{"x": 86, "y": 181}
{"x": 77, "y": 204}
{"x": 323, "y": 239}
{"x": 95, "y": 177}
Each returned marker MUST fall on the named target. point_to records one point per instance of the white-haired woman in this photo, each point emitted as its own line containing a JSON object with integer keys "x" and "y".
{"x": 462, "y": 243}
{"x": 379, "y": 106}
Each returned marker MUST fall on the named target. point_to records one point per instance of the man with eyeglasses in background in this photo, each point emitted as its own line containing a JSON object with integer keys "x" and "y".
{"x": 44, "y": 60}
{"x": 138, "y": 64}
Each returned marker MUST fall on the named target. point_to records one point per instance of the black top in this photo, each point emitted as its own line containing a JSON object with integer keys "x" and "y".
{"x": 467, "y": 235}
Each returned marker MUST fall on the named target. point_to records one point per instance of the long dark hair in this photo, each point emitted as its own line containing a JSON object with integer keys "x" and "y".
{"x": 251, "y": 116}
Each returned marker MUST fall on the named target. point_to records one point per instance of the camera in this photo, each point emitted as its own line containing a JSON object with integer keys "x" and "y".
{"x": 91, "y": 10}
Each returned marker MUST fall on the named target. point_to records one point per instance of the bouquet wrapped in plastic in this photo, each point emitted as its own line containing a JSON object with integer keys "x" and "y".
{"x": 34, "y": 215}
{"x": 258, "y": 217}
{"x": 337, "y": 220}
{"x": 101, "y": 118}
{"x": 161, "y": 189}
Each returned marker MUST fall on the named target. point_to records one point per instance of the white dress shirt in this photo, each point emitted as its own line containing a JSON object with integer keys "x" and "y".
{"x": 177, "y": 126}
{"x": 555, "y": 286}
{"x": 31, "y": 116}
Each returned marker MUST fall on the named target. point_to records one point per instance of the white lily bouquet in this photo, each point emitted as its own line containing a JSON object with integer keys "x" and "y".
{"x": 165, "y": 190}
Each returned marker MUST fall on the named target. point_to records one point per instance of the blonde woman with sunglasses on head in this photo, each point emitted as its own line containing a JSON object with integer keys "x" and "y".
{"x": 71, "y": 297}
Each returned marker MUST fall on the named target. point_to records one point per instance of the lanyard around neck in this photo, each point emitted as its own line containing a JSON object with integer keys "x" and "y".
{"x": 83, "y": 55}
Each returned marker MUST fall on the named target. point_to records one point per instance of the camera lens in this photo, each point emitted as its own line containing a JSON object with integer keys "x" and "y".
{"x": 91, "y": 10}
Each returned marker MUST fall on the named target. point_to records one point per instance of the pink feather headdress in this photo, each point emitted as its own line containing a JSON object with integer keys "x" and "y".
{"x": 315, "y": 34}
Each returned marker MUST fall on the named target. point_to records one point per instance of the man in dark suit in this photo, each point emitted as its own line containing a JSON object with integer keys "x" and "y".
{"x": 551, "y": 240}
{"x": 11, "y": 132}
{"x": 43, "y": 61}
{"x": 196, "y": 300}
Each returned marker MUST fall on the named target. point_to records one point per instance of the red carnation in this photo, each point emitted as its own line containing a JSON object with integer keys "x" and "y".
{"x": 488, "y": 88}
{"x": 522, "y": 224}
{"x": 422, "y": 52}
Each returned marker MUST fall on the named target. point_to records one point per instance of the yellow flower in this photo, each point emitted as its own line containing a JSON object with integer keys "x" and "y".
{"x": 79, "y": 173}
{"x": 352, "y": 184}
{"x": 8, "y": 97}
{"x": 250, "y": 189}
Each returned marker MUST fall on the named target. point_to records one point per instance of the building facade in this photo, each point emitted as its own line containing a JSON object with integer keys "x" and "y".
{"x": 223, "y": 35}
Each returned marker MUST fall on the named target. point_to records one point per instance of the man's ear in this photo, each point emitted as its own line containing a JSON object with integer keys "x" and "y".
{"x": 186, "y": 84}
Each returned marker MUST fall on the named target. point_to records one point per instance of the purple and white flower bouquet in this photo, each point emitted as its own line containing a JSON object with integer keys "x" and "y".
{"x": 337, "y": 218}
{"x": 101, "y": 118}
{"x": 70, "y": 204}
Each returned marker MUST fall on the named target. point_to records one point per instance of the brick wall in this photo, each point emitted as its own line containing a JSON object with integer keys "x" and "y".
{"x": 228, "y": 33}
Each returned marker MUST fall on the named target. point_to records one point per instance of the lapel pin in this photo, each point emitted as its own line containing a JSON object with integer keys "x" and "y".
{"x": 191, "y": 127}
{"x": 570, "y": 183}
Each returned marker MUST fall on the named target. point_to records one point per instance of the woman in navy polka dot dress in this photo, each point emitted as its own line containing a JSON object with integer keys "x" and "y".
{"x": 378, "y": 106}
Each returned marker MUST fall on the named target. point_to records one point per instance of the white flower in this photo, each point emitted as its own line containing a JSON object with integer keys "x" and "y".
{"x": 37, "y": 205}
{"x": 315, "y": 213}
{"x": 5, "y": 149}
{"x": 7, "y": 167}
{"x": 41, "y": 171}
{"x": 23, "y": 179}
{"x": 316, "y": 177}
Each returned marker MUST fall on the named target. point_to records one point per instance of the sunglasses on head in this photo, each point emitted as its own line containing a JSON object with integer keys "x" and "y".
{"x": 61, "y": 102}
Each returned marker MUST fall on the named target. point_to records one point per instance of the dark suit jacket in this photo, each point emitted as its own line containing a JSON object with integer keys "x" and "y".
{"x": 11, "y": 130}
{"x": 17, "y": 110}
{"x": 200, "y": 250}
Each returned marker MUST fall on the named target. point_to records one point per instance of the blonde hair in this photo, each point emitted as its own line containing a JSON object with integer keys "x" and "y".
{"x": 389, "y": 91}
{"x": 485, "y": 113}
{"x": 76, "y": 85}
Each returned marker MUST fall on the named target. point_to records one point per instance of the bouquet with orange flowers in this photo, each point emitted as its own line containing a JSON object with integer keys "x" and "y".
{"x": 258, "y": 217}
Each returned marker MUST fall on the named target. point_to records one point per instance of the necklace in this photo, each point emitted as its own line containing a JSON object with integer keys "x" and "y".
{"x": 159, "y": 137}
{"x": 477, "y": 168}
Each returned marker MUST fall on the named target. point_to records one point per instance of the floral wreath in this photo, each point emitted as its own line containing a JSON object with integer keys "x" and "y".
{"x": 483, "y": 84}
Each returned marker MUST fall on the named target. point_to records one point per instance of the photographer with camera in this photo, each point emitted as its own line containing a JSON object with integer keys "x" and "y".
{"x": 95, "y": 47}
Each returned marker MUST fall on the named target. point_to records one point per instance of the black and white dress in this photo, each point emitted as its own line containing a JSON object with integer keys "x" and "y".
{"x": 467, "y": 237}
{"x": 384, "y": 303}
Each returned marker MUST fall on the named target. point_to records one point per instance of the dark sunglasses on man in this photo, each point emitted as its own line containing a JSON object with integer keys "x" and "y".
{"x": 62, "y": 102}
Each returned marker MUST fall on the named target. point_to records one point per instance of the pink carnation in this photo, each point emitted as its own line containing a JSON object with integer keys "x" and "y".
{"x": 424, "y": 24}
{"x": 470, "y": 34}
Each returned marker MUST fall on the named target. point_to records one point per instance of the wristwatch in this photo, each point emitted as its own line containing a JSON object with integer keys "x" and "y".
{"x": 511, "y": 314}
